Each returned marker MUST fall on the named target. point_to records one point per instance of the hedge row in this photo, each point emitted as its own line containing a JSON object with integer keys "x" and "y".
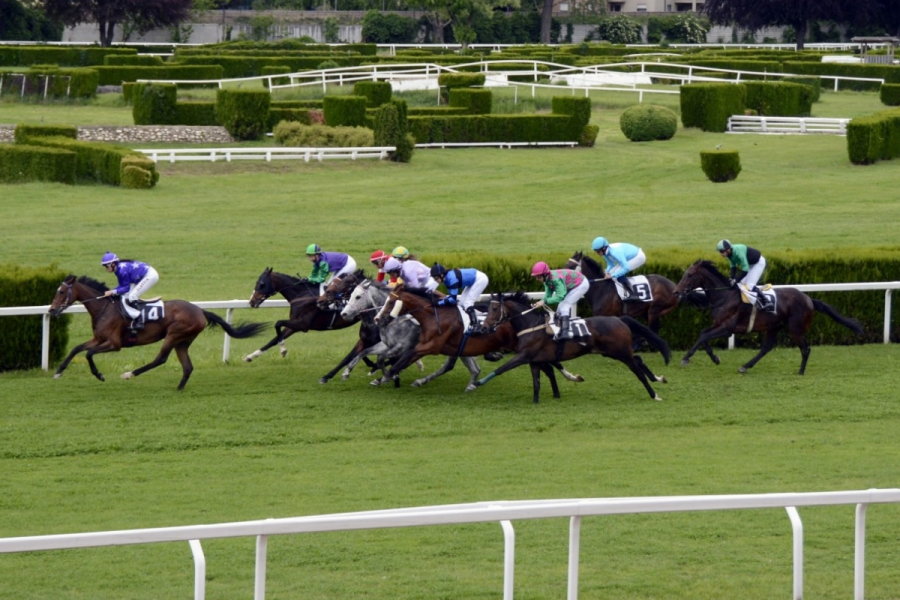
{"x": 376, "y": 93}
{"x": 682, "y": 327}
{"x": 252, "y": 66}
{"x": 475, "y": 101}
{"x": 890, "y": 74}
{"x": 142, "y": 60}
{"x": 116, "y": 75}
{"x": 345, "y": 111}
{"x": 23, "y": 56}
{"x": 890, "y": 94}
{"x": 20, "y": 337}
{"x": 20, "y": 163}
{"x": 779, "y": 98}
{"x": 285, "y": 45}
{"x": 75, "y": 83}
{"x": 244, "y": 113}
{"x": 874, "y": 137}
{"x": 23, "y": 132}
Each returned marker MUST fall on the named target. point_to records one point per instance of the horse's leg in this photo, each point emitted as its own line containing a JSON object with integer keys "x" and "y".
{"x": 707, "y": 334}
{"x": 635, "y": 367}
{"x": 768, "y": 344}
{"x": 352, "y": 355}
{"x": 445, "y": 368}
{"x": 516, "y": 361}
{"x": 648, "y": 372}
{"x": 286, "y": 326}
{"x": 160, "y": 359}
{"x": 548, "y": 371}
{"x": 712, "y": 355}
{"x": 800, "y": 339}
{"x": 535, "y": 382}
{"x": 98, "y": 349}
{"x": 79, "y": 348}
{"x": 187, "y": 367}
{"x": 568, "y": 375}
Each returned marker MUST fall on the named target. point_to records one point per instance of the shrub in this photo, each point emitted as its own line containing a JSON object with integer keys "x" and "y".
{"x": 391, "y": 129}
{"x": 346, "y": 111}
{"x": 449, "y": 81}
{"x": 376, "y": 93}
{"x": 720, "y": 165}
{"x": 154, "y": 103}
{"x": 588, "y": 136}
{"x": 300, "y": 115}
{"x": 23, "y": 132}
{"x": 778, "y": 98}
{"x": 197, "y": 114}
{"x": 21, "y": 163}
{"x": 578, "y": 108}
{"x": 244, "y": 113}
{"x": 116, "y": 75}
{"x": 619, "y": 29}
{"x": 890, "y": 94}
{"x": 136, "y": 178}
{"x": 708, "y": 105}
{"x": 475, "y": 101}
{"x": 289, "y": 133}
{"x": 813, "y": 82}
{"x": 139, "y": 161}
{"x": 874, "y": 137}
{"x": 144, "y": 60}
{"x": 646, "y": 122}
{"x": 275, "y": 70}
{"x": 98, "y": 162}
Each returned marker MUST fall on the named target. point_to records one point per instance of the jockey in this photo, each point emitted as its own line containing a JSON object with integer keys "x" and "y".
{"x": 747, "y": 266}
{"x": 468, "y": 284}
{"x": 402, "y": 254}
{"x": 378, "y": 259}
{"x": 135, "y": 278}
{"x": 413, "y": 273}
{"x": 621, "y": 259}
{"x": 328, "y": 265}
{"x": 561, "y": 286}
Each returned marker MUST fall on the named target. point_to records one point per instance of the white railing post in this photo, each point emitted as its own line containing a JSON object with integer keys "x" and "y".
{"x": 226, "y": 346}
{"x": 887, "y": 316}
{"x": 859, "y": 557}
{"x": 574, "y": 553}
{"x": 45, "y": 341}
{"x": 509, "y": 559}
{"x": 797, "y": 527}
{"x": 259, "y": 589}
{"x": 199, "y": 570}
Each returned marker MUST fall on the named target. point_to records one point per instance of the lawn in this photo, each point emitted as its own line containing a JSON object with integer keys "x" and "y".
{"x": 252, "y": 441}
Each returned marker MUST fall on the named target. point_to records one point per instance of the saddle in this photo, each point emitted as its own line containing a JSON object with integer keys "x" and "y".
{"x": 641, "y": 287}
{"x": 765, "y": 301}
{"x": 577, "y": 327}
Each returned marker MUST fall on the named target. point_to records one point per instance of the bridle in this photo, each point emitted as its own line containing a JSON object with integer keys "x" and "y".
{"x": 506, "y": 318}
{"x": 69, "y": 301}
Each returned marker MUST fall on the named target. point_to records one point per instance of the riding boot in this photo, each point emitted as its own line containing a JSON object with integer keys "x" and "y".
{"x": 564, "y": 333}
{"x": 629, "y": 293}
{"x": 138, "y": 322}
{"x": 761, "y": 299}
{"x": 474, "y": 325}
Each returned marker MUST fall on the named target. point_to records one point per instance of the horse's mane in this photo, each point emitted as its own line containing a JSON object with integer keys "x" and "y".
{"x": 518, "y": 296}
{"x": 294, "y": 279}
{"x": 93, "y": 283}
{"x": 711, "y": 267}
{"x": 592, "y": 264}
{"x": 419, "y": 291}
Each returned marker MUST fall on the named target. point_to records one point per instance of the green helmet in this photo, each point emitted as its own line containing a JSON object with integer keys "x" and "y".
{"x": 400, "y": 252}
{"x": 723, "y": 245}
{"x": 313, "y": 249}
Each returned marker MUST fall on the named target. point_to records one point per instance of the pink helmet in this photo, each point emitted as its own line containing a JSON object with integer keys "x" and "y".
{"x": 540, "y": 268}
{"x": 392, "y": 264}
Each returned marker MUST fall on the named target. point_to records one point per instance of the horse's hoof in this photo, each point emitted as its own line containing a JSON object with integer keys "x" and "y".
{"x": 662, "y": 379}
{"x": 685, "y": 362}
{"x": 471, "y": 387}
{"x": 657, "y": 398}
{"x": 284, "y": 354}
{"x": 375, "y": 382}
{"x": 715, "y": 359}
{"x": 57, "y": 375}
{"x": 578, "y": 379}
{"x": 248, "y": 358}
{"x": 323, "y": 380}
{"x": 372, "y": 372}
{"x": 417, "y": 383}
{"x": 345, "y": 376}
{"x": 742, "y": 370}
{"x": 127, "y": 375}
{"x": 101, "y": 377}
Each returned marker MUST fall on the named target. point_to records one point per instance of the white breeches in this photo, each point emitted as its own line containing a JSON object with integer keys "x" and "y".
{"x": 143, "y": 286}
{"x": 638, "y": 261}
{"x": 350, "y": 267}
{"x": 470, "y": 294}
{"x": 566, "y": 308}
{"x": 754, "y": 274}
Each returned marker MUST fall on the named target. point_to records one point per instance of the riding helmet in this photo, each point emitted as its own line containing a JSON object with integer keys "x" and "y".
{"x": 400, "y": 252}
{"x": 438, "y": 270}
{"x": 599, "y": 244}
{"x": 108, "y": 259}
{"x": 540, "y": 268}
{"x": 392, "y": 264}
{"x": 313, "y": 249}
{"x": 723, "y": 245}
{"x": 377, "y": 255}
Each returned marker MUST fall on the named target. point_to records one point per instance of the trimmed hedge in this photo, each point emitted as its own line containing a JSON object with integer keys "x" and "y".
{"x": 23, "y": 132}
{"x": 708, "y": 105}
{"x": 720, "y": 165}
{"x": 96, "y": 161}
{"x": 20, "y": 337}
{"x": 814, "y": 82}
{"x": 449, "y": 81}
{"x": 244, "y": 113}
{"x": 68, "y": 56}
{"x": 134, "y": 177}
{"x": 322, "y": 136}
{"x": 890, "y": 94}
{"x": 198, "y": 114}
{"x": 143, "y": 60}
{"x": 276, "y": 70}
{"x": 376, "y": 93}
{"x": 296, "y": 115}
{"x": 889, "y": 73}
{"x": 252, "y": 66}
{"x": 154, "y": 103}
{"x": 874, "y": 137}
{"x": 346, "y": 111}
{"x": 74, "y": 83}
{"x": 116, "y": 75}
{"x": 474, "y": 100}
{"x": 391, "y": 128}
{"x": 778, "y": 98}
{"x": 21, "y": 163}
{"x": 646, "y": 122}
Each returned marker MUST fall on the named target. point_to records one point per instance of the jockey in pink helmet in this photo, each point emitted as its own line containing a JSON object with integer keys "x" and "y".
{"x": 563, "y": 287}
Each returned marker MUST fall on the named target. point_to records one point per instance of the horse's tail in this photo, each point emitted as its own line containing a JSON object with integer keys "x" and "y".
{"x": 238, "y": 331}
{"x": 851, "y": 324}
{"x": 654, "y": 340}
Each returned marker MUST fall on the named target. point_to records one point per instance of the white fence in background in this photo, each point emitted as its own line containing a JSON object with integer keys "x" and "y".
{"x": 267, "y": 154}
{"x": 503, "y": 512}
{"x": 231, "y": 305}
{"x": 781, "y": 125}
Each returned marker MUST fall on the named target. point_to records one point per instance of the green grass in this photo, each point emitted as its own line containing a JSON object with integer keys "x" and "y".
{"x": 252, "y": 441}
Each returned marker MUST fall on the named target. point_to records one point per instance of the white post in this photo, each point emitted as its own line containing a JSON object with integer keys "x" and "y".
{"x": 509, "y": 559}
{"x": 45, "y": 341}
{"x": 259, "y": 590}
{"x": 199, "y": 570}
{"x": 797, "y": 526}
{"x": 226, "y": 347}
{"x": 574, "y": 550}
{"x": 887, "y": 316}
{"x": 859, "y": 559}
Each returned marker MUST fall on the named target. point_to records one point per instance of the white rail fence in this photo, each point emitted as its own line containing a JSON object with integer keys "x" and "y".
{"x": 231, "y": 305}
{"x": 781, "y": 125}
{"x": 503, "y": 512}
{"x": 267, "y": 154}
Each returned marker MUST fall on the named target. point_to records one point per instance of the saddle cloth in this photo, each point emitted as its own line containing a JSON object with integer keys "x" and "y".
{"x": 577, "y": 327}
{"x": 749, "y": 297}
{"x": 465, "y": 316}
{"x": 152, "y": 310}
{"x": 641, "y": 287}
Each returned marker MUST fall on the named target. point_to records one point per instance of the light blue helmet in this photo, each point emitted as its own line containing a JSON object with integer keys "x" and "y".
{"x": 599, "y": 243}
{"x": 108, "y": 259}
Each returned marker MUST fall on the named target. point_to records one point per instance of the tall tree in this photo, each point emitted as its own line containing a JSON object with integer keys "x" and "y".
{"x": 21, "y": 21}
{"x": 144, "y": 15}
{"x": 546, "y": 21}
{"x": 756, "y": 14}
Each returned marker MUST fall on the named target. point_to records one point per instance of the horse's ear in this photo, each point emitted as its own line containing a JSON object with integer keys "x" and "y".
{"x": 69, "y": 279}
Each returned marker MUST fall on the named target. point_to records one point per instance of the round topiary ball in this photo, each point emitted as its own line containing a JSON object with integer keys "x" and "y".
{"x": 645, "y": 123}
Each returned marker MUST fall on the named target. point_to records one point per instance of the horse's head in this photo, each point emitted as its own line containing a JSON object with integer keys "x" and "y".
{"x": 339, "y": 287}
{"x": 393, "y": 306}
{"x": 506, "y": 307}
{"x": 358, "y": 300}
{"x": 64, "y": 298}
{"x": 575, "y": 261}
{"x": 702, "y": 274}
{"x": 496, "y": 312}
{"x": 264, "y": 288}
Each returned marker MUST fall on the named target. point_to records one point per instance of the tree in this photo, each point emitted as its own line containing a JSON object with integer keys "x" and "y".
{"x": 756, "y": 14}
{"x": 22, "y": 22}
{"x": 144, "y": 15}
{"x": 459, "y": 14}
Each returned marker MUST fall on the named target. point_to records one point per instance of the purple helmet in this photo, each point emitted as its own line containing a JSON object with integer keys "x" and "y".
{"x": 392, "y": 264}
{"x": 109, "y": 258}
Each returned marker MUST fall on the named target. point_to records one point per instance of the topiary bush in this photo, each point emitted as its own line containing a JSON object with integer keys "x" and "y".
{"x": 449, "y": 81}
{"x": 23, "y": 132}
{"x": 588, "y": 136}
{"x": 708, "y": 105}
{"x": 153, "y": 103}
{"x": 375, "y": 92}
{"x": 890, "y": 94}
{"x": 243, "y": 113}
{"x": 136, "y": 178}
{"x": 21, "y": 163}
{"x": 345, "y": 111}
{"x": 646, "y": 122}
{"x": 476, "y": 101}
{"x": 290, "y": 133}
{"x": 392, "y": 129}
{"x": 720, "y": 165}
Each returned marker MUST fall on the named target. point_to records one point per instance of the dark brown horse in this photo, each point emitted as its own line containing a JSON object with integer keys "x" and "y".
{"x": 443, "y": 333}
{"x": 794, "y": 311}
{"x": 180, "y": 326}
{"x": 604, "y": 299}
{"x": 609, "y": 336}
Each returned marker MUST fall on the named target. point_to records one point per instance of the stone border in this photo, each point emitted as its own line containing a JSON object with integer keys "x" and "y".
{"x": 182, "y": 134}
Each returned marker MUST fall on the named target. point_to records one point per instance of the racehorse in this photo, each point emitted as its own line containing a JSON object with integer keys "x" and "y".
{"x": 604, "y": 299}
{"x": 609, "y": 336}
{"x": 305, "y": 315}
{"x": 794, "y": 310}
{"x": 443, "y": 332}
{"x": 181, "y": 324}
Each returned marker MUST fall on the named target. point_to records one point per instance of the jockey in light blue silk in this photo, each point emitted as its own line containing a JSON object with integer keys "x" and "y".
{"x": 621, "y": 259}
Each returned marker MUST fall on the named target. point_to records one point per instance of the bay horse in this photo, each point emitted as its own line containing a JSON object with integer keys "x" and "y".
{"x": 609, "y": 336}
{"x": 180, "y": 326}
{"x": 604, "y": 299}
{"x": 794, "y": 311}
{"x": 443, "y": 333}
